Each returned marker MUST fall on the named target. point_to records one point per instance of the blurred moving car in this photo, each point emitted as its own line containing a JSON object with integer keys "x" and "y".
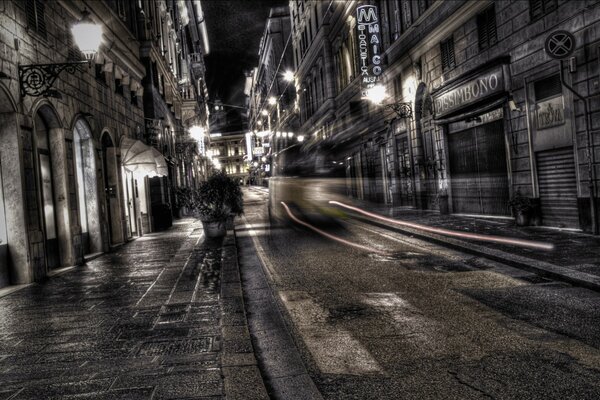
{"x": 306, "y": 181}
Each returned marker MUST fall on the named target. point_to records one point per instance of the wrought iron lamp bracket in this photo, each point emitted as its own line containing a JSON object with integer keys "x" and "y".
{"x": 37, "y": 79}
{"x": 402, "y": 110}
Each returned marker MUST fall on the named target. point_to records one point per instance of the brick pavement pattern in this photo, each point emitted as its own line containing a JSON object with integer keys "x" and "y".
{"x": 140, "y": 323}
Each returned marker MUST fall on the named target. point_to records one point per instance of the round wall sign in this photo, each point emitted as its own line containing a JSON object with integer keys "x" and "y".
{"x": 560, "y": 44}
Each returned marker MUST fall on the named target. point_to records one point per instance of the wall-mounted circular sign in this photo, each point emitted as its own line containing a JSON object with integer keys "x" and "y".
{"x": 560, "y": 44}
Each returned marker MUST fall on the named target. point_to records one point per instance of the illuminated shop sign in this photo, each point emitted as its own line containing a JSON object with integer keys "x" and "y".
{"x": 485, "y": 85}
{"x": 369, "y": 46}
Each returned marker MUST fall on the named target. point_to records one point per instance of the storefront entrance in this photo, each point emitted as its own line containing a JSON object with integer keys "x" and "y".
{"x": 478, "y": 170}
{"x": 405, "y": 186}
{"x": 557, "y": 183}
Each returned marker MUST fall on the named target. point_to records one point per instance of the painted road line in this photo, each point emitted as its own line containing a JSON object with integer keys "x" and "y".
{"x": 415, "y": 328}
{"x": 334, "y": 349}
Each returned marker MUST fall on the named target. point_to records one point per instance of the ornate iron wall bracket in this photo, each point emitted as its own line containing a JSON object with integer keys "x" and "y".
{"x": 402, "y": 110}
{"x": 37, "y": 79}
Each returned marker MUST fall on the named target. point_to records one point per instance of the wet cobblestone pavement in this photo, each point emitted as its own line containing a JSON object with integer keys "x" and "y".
{"x": 140, "y": 323}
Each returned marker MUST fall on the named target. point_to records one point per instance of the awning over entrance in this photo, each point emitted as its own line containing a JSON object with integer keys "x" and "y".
{"x": 161, "y": 163}
{"x": 142, "y": 159}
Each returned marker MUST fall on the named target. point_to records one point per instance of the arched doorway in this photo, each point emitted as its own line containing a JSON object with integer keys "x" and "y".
{"x": 111, "y": 189}
{"x": 46, "y": 191}
{"x": 87, "y": 189}
{"x": 426, "y": 149}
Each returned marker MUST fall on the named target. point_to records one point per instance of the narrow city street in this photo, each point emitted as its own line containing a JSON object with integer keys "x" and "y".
{"x": 139, "y": 323}
{"x": 420, "y": 321}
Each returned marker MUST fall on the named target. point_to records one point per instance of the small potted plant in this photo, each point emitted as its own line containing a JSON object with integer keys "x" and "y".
{"x": 522, "y": 208}
{"x": 184, "y": 200}
{"x": 215, "y": 200}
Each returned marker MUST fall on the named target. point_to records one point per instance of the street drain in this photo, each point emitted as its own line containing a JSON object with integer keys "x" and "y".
{"x": 177, "y": 347}
{"x": 348, "y": 312}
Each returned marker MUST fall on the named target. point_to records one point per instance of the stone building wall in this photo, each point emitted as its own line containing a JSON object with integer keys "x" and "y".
{"x": 81, "y": 96}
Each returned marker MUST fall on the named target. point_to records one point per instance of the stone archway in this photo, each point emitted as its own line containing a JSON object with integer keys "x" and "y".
{"x": 52, "y": 164}
{"x": 87, "y": 188}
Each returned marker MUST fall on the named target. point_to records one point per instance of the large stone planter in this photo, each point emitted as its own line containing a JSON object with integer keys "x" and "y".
{"x": 215, "y": 229}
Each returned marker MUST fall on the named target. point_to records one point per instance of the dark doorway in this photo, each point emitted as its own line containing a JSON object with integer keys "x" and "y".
{"x": 48, "y": 211}
{"x": 478, "y": 171}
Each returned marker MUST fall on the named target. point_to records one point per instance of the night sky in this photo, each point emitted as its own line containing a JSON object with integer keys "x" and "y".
{"x": 234, "y": 31}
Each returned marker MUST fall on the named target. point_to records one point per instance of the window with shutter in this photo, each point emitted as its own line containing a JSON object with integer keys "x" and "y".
{"x": 539, "y": 8}
{"x": 35, "y": 16}
{"x": 447, "y": 52}
{"x": 486, "y": 28}
{"x": 547, "y": 87}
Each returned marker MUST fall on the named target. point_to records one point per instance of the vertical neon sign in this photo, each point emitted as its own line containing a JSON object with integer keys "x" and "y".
{"x": 369, "y": 46}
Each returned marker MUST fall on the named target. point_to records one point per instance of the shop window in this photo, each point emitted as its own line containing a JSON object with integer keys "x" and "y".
{"x": 539, "y": 8}
{"x": 447, "y": 51}
{"x": 35, "y": 16}
{"x": 486, "y": 28}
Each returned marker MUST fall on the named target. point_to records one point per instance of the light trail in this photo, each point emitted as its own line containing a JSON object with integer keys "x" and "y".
{"x": 487, "y": 238}
{"x": 330, "y": 236}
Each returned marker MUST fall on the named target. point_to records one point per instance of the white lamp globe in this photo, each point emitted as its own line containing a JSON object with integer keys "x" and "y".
{"x": 87, "y": 36}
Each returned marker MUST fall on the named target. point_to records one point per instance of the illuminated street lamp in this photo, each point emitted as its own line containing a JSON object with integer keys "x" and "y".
{"x": 88, "y": 36}
{"x": 272, "y": 100}
{"x": 37, "y": 79}
{"x": 300, "y": 138}
{"x": 288, "y": 76}
{"x": 377, "y": 94}
{"x": 197, "y": 133}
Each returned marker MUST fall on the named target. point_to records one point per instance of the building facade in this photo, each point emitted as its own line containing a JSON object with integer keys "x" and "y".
{"x": 75, "y": 162}
{"x": 271, "y": 98}
{"x": 491, "y": 114}
{"x": 228, "y": 152}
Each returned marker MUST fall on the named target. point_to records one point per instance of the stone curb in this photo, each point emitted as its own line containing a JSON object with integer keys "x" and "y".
{"x": 541, "y": 268}
{"x": 284, "y": 372}
{"x": 242, "y": 378}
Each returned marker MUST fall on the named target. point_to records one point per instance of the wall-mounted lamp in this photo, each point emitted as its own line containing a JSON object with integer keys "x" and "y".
{"x": 513, "y": 106}
{"x": 37, "y": 79}
{"x": 377, "y": 94}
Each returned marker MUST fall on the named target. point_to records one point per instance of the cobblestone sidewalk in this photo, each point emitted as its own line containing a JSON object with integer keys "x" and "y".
{"x": 140, "y": 323}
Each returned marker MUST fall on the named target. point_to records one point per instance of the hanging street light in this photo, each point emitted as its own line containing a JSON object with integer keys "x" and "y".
{"x": 87, "y": 36}
{"x": 37, "y": 79}
{"x": 377, "y": 94}
{"x": 288, "y": 76}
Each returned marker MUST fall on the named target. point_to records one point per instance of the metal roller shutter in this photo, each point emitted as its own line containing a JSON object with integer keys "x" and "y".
{"x": 557, "y": 183}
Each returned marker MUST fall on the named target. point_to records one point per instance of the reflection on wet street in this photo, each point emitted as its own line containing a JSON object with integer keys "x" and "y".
{"x": 139, "y": 323}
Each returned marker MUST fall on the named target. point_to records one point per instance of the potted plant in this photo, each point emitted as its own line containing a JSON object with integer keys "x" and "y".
{"x": 184, "y": 200}
{"x": 522, "y": 208}
{"x": 215, "y": 200}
